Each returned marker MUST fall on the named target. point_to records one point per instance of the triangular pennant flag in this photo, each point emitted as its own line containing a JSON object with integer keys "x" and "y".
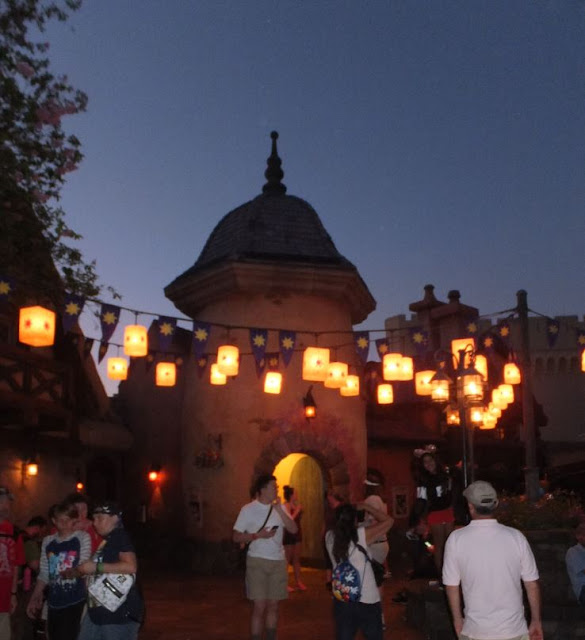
{"x": 503, "y": 330}
{"x": 272, "y": 361}
{"x": 581, "y": 338}
{"x": 87, "y": 345}
{"x": 149, "y": 361}
{"x": 361, "y": 340}
{"x": 258, "y": 341}
{"x": 382, "y": 347}
{"x": 179, "y": 361}
{"x": 72, "y": 309}
{"x": 201, "y": 332}
{"x": 260, "y": 366}
{"x": 109, "y": 317}
{"x": 419, "y": 338}
{"x": 202, "y": 364}
{"x": 552, "y": 332}
{"x": 7, "y": 287}
{"x": 103, "y": 350}
{"x": 471, "y": 327}
{"x": 287, "y": 341}
{"x": 487, "y": 342}
{"x": 166, "y": 332}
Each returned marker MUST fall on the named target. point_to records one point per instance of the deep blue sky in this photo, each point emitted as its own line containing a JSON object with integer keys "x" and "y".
{"x": 439, "y": 141}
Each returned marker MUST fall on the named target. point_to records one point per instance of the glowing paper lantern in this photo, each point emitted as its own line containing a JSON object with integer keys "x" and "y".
{"x": 117, "y": 368}
{"x": 476, "y": 415}
{"x": 406, "y": 368}
{"x": 273, "y": 382}
{"x": 494, "y": 411}
{"x": 79, "y": 486}
{"x": 135, "y": 341}
{"x": 422, "y": 382}
{"x": 32, "y": 469}
{"x": 498, "y": 399}
{"x": 336, "y": 375}
{"x": 215, "y": 375}
{"x": 440, "y": 386}
{"x": 507, "y": 391}
{"x": 166, "y": 374}
{"x": 512, "y": 373}
{"x": 481, "y": 366}
{"x": 36, "y": 326}
{"x": 228, "y": 360}
{"x": 391, "y": 366}
{"x": 467, "y": 344}
{"x": 315, "y": 364}
{"x": 489, "y": 422}
{"x": 452, "y": 416}
{"x": 351, "y": 387}
{"x": 472, "y": 386}
{"x": 385, "y": 394}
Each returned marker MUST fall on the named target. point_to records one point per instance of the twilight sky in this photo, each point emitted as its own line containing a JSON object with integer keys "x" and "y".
{"x": 440, "y": 141}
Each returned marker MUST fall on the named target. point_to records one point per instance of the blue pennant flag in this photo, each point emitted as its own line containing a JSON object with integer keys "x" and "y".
{"x": 382, "y": 347}
{"x": 109, "y": 317}
{"x": 202, "y": 361}
{"x": 503, "y": 331}
{"x": 258, "y": 341}
{"x": 179, "y": 361}
{"x": 6, "y": 287}
{"x": 419, "y": 338}
{"x": 471, "y": 327}
{"x": 103, "y": 350}
{"x": 361, "y": 340}
{"x": 72, "y": 309}
{"x": 260, "y": 366}
{"x": 272, "y": 361}
{"x": 581, "y": 338}
{"x": 201, "y": 333}
{"x": 287, "y": 341}
{"x": 552, "y": 332}
{"x": 166, "y": 332}
{"x": 487, "y": 342}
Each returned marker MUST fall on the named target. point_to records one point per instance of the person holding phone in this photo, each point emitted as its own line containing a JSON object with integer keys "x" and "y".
{"x": 261, "y": 524}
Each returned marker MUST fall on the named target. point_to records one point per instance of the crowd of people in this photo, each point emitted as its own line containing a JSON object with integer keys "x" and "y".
{"x": 68, "y": 577}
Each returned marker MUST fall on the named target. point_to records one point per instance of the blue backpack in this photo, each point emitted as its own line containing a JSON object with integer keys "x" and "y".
{"x": 346, "y": 583}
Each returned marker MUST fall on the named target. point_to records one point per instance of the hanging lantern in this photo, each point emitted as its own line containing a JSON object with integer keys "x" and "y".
{"x": 512, "y": 373}
{"x": 422, "y": 382}
{"x": 481, "y": 366}
{"x": 336, "y": 375}
{"x": 228, "y": 360}
{"x": 507, "y": 391}
{"x": 498, "y": 399}
{"x": 489, "y": 422}
{"x": 273, "y": 382}
{"x": 166, "y": 374}
{"x": 351, "y": 387}
{"x": 494, "y": 411}
{"x": 440, "y": 385}
{"x": 135, "y": 341}
{"x": 117, "y": 368}
{"x": 215, "y": 375}
{"x": 476, "y": 415}
{"x": 385, "y": 394}
{"x": 154, "y": 473}
{"x": 406, "y": 368}
{"x": 32, "y": 468}
{"x": 309, "y": 404}
{"x": 452, "y": 416}
{"x": 463, "y": 344}
{"x": 36, "y": 326}
{"x": 391, "y": 366}
{"x": 315, "y": 364}
{"x": 79, "y": 486}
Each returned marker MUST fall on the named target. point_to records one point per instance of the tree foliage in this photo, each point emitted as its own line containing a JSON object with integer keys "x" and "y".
{"x": 36, "y": 154}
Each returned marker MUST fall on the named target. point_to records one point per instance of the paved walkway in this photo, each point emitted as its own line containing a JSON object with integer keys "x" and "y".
{"x": 214, "y": 608}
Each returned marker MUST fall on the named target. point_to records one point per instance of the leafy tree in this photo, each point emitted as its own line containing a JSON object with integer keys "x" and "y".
{"x": 36, "y": 154}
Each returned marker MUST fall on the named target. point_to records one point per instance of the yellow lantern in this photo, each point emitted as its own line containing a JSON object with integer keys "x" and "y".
{"x": 476, "y": 415}
{"x": 228, "y": 360}
{"x": 315, "y": 364}
{"x": 422, "y": 382}
{"x": 472, "y": 385}
{"x": 385, "y": 394}
{"x": 481, "y": 366}
{"x": 467, "y": 344}
{"x": 391, "y": 366}
{"x": 406, "y": 368}
{"x": 351, "y": 387}
{"x": 498, "y": 399}
{"x": 36, "y": 326}
{"x": 507, "y": 391}
{"x": 32, "y": 468}
{"x": 273, "y": 382}
{"x": 489, "y": 422}
{"x": 215, "y": 375}
{"x": 512, "y": 373}
{"x": 452, "y": 416}
{"x": 440, "y": 385}
{"x": 494, "y": 411}
{"x": 336, "y": 375}
{"x": 135, "y": 341}
{"x": 166, "y": 374}
{"x": 117, "y": 368}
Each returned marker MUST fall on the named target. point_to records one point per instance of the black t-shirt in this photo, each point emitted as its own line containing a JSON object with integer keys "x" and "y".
{"x": 116, "y": 542}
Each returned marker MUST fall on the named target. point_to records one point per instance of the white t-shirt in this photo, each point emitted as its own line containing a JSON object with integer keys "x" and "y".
{"x": 370, "y": 592}
{"x": 250, "y": 519}
{"x": 489, "y": 560}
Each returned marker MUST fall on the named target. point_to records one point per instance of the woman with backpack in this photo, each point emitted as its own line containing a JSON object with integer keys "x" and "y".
{"x": 356, "y": 603}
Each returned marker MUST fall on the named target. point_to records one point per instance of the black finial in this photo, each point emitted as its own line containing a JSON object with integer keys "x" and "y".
{"x": 274, "y": 174}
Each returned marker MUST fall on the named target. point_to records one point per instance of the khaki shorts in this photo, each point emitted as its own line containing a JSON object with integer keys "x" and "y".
{"x": 462, "y": 637}
{"x": 266, "y": 579}
{"x": 4, "y": 626}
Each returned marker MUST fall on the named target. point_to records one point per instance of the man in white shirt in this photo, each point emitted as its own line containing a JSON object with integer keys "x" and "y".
{"x": 261, "y": 524}
{"x": 490, "y": 561}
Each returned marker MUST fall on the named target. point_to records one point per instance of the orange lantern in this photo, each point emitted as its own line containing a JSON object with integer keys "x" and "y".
{"x": 351, "y": 387}
{"x": 32, "y": 468}
{"x": 336, "y": 375}
{"x": 36, "y": 326}
{"x": 512, "y": 373}
{"x": 452, "y": 416}
{"x": 481, "y": 366}
{"x": 498, "y": 399}
{"x": 507, "y": 391}
{"x": 385, "y": 394}
{"x": 135, "y": 341}
{"x": 440, "y": 385}
{"x": 489, "y": 422}
{"x": 215, "y": 375}
{"x": 392, "y": 366}
{"x": 467, "y": 344}
{"x": 476, "y": 415}
{"x": 154, "y": 473}
{"x": 422, "y": 382}
{"x": 315, "y": 364}
{"x": 117, "y": 368}
{"x": 228, "y": 360}
{"x": 406, "y": 368}
{"x": 472, "y": 385}
{"x": 494, "y": 411}
{"x": 79, "y": 486}
{"x": 273, "y": 382}
{"x": 166, "y": 374}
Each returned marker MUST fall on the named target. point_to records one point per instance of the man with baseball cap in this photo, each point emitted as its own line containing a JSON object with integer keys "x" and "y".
{"x": 490, "y": 562}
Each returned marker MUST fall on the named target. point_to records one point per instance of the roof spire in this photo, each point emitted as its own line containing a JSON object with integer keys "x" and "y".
{"x": 274, "y": 174}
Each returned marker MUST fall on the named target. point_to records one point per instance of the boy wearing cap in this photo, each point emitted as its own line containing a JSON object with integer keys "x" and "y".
{"x": 490, "y": 561}
{"x": 11, "y": 558}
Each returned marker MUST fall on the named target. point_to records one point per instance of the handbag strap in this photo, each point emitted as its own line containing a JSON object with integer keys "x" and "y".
{"x": 265, "y": 521}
